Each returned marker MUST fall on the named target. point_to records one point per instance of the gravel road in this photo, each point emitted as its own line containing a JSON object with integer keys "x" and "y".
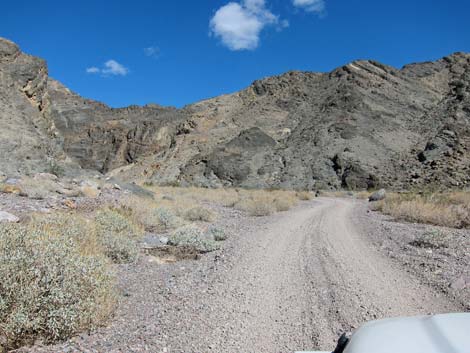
{"x": 291, "y": 281}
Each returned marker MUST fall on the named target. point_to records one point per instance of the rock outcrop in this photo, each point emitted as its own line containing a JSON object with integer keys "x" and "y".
{"x": 26, "y": 144}
{"x": 363, "y": 125}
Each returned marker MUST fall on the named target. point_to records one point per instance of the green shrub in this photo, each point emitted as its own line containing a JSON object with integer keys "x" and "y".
{"x": 192, "y": 236}
{"x": 48, "y": 288}
{"x": 218, "y": 234}
{"x": 117, "y": 234}
{"x": 119, "y": 248}
{"x": 163, "y": 219}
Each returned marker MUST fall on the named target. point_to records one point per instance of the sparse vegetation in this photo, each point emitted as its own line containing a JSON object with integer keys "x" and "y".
{"x": 191, "y": 236}
{"x": 256, "y": 206}
{"x": 50, "y": 288}
{"x": 117, "y": 234}
{"x": 199, "y": 213}
{"x": 164, "y": 219}
{"x": 217, "y": 233}
{"x": 304, "y": 195}
{"x": 185, "y": 202}
{"x": 152, "y": 215}
{"x": 450, "y": 209}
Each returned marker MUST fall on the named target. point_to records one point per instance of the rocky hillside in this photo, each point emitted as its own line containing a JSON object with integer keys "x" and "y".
{"x": 363, "y": 125}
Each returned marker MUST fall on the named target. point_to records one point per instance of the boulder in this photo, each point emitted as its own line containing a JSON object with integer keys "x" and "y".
{"x": 46, "y": 176}
{"x": 131, "y": 188}
{"x": 6, "y": 217}
{"x": 378, "y": 195}
{"x": 90, "y": 188}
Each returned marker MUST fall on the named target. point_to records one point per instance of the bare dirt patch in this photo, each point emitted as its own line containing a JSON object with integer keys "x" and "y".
{"x": 170, "y": 254}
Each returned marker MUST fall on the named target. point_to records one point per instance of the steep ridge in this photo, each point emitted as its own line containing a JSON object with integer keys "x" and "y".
{"x": 362, "y": 125}
{"x": 102, "y": 138}
{"x": 26, "y": 141}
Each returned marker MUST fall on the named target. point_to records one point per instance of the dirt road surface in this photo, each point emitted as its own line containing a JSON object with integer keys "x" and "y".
{"x": 308, "y": 276}
{"x": 292, "y": 281}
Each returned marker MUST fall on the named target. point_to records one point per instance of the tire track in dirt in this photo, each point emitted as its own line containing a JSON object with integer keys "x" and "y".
{"x": 310, "y": 276}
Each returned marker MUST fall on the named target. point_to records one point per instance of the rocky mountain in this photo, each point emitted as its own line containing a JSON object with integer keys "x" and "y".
{"x": 363, "y": 125}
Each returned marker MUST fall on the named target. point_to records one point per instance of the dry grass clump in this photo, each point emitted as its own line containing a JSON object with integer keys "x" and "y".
{"x": 118, "y": 234}
{"x": 10, "y": 189}
{"x": 263, "y": 203}
{"x": 50, "y": 288}
{"x": 443, "y": 209}
{"x": 153, "y": 216}
{"x": 186, "y": 202}
{"x": 304, "y": 195}
{"x": 362, "y": 195}
{"x": 199, "y": 213}
{"x": 224, "y": 197}
{"x": 256, "y": 204}
{"x": 283, "y": 204}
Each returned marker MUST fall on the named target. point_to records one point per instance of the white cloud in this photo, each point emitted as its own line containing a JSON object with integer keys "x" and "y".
{"x": 110, "y": 68}
{"x": 310, "y": 5}
{"x": 239, "y": 24}
{"x": 92, "y": 70}
{"x": 152, "y": 52}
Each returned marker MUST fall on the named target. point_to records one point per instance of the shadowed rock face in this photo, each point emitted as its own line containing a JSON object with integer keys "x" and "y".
{"x": 363, "y": 125}
{"x": 103, "y": 138}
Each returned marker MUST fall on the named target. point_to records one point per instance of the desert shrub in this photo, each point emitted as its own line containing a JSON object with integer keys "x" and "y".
{"x": 304, "y": 195}
{"x": 443, "y": 209}
{"x": 69, "y": 225}
{"x": 225, "y": 197}
{"x": 48, "y": 289}
{"x": 199, "y": 213}
{"x": 117, "y": 234}
{"x": 119, "y": 248}
{"x": 163, "y": 219}
{"x": 192, "y": 236}
{"x": 217, "y": 233}
{"x": 257, "y": 206}
{"x": 150, "y": 215}
{"x": 283, "y": 204}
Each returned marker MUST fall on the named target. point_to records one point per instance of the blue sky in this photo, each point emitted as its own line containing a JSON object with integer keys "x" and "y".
{"x": 178, "y": 52}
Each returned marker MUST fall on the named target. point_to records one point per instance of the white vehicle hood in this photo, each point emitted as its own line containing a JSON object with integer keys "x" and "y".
{"x": 449, "y": 333}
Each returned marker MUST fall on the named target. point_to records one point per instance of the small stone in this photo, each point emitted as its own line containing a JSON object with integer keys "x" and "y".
{"x": 70, "y": 204}
{"x": 461, "y": 283}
